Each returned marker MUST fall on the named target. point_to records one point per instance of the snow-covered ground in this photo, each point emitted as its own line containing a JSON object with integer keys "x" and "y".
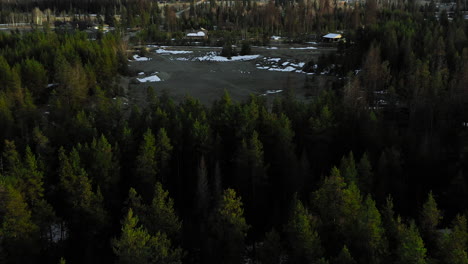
{"x": 139, "y": 58}
{"x": 214, "y": 57}
{"x": 302, "y": 48}
{"x": 280, "y": 65}
{"x": 271, "y": 92}
{"x": 172, "y": 52}
{"x": 151, "y": 78}
{"x": 287, "y": 69}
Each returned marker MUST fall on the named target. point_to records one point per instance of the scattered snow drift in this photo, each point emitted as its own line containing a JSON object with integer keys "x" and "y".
{"x": 273, "y": 59}
{"x": 271, "y": 92}
{"x": 280, "y": 65}
{"x": 139, "y": 58}
{"x": 152, "y": 78}
{"x": 173, "y": 52}
{"x": 287, "y": 69}
{"x": 214, "y": 57}
{"x": 198, "y": 34}
{"x": 303, "y": 48}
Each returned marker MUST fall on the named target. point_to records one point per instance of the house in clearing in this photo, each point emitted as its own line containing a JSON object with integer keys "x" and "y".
{"x": 332, "y": 37}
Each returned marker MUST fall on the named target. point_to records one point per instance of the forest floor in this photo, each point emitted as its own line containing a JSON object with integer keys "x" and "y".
{"x": 200, "y": 73}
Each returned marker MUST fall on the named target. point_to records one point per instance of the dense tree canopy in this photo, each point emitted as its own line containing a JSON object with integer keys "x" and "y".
{"x": 371, "y": 169}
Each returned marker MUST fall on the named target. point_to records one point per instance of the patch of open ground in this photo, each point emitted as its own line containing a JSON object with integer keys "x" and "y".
{"x": 200, "y": 73}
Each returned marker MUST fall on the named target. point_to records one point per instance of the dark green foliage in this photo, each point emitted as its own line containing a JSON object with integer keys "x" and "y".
{"x": 411, "y": 248}
{"x": 344, "y": 257}
{"x": 246, "y": 49}
{"x": 395, "y": 97}
{"x": 365, "y": 174}
{"x": 229, "y": 229}
{"x": 146, "y": 164}
{"x": 136, "y": 245}
{"x": 161, "y": 215}
{"x": 271, "y": 250}
{"x": 454, "y": 243}
{"x": 304, "y": 241}
{"x": 17, "y": 231}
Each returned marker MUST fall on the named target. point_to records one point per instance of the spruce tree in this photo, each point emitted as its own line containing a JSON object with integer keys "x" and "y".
{"x": 229, "y": 229}
{"x": 304, "y": 241}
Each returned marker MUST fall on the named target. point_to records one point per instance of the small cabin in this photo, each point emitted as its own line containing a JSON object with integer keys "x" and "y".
{"x": 332, "y": 37}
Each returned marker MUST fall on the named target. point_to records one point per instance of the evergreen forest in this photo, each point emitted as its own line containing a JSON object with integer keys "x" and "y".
{"x": 340, "y": 178}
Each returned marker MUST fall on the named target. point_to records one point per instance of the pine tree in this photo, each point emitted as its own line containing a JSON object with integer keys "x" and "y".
{"x": 203, "y": 195}
{"x": 270, "y": 252}
{"x": 455, "y": 243}
{"x": 34, "y": 77}
{"x": 74, "y": 182}
{"x": 229, "y": 229}
{"x": 146, "y": 164}
{"x": 411, "y": 249}
{"x": 372, "y": 234}
{"x": 103, "y": 168}
{"x": 366, "y": 176}
{"x": 161, "y": 215}
{"x": 134, "y": 244}
{"x": 430, "y": 218}
{"x": 18, "y": 233}
{"x": 344, "y": 257}
{"x": 302, "y": 235}
{"x": 348, "y": 168}
{"x": 24, "y": 173}
{"x": 328, "y": 199}
{"x": 163, "y": 153}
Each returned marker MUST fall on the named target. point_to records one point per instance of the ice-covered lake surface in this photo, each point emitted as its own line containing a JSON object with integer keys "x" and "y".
{"x": 202, "y": 73}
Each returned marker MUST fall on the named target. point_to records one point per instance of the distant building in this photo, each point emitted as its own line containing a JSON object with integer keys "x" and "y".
{"x": 332, "y": 37}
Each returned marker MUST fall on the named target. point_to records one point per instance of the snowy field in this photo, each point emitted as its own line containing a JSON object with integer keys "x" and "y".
{"x": 202, "y": 73}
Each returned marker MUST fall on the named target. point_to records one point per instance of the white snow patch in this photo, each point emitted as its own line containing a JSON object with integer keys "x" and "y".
{"x": 152, "y": 78}
{"x": 297, "y": 65}
{"x": 141, "y": 73}
{"x": 275, "y": 37}
{"x": 212, "y": 56}
{"x": 173, "y": 52}
{"x": 271, "y": 92}
{"x": 303, "y": 48}
{"x": 139, "y": 58}
{"x": 197, "y": 34}
{"x": 274, "y": 59}
{"x": 287, "y": 69}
